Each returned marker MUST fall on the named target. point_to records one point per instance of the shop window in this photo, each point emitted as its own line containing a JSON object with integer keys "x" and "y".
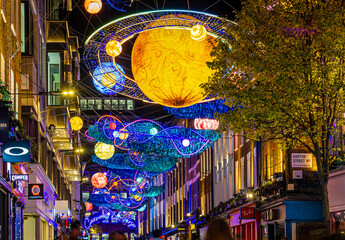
{"x": 309, "y": 230}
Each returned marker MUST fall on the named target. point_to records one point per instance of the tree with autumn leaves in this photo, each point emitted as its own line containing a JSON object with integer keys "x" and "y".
{"x": 284, "y": 70}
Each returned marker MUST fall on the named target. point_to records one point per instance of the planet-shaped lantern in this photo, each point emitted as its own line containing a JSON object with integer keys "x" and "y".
{"x": 104, "y": 151}
{"x": 93, "y": 6}
{"x": 88, "y": 206}
{"x": 107, "y": 79}
{"x": 76, "y": 123}
{"x": 99, "y": 180}
{"x": 169, "y": 65}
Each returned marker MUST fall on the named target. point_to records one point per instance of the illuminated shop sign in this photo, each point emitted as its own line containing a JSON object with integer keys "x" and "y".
{"x": 36, "y": 191}
{"x": 16, "y": 151}
{"x": 20, "y": 177}
{"x": 248, "y": 213}
{"x": 301, "y": 160}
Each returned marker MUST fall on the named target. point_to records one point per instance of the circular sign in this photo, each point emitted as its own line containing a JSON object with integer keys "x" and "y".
{"x": 35, "y": 190}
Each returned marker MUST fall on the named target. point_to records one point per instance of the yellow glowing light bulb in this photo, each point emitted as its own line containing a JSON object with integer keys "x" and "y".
{"x": 123, "y": 135}
{"x": 198, "y": 33}
{"x": 113, "y": 48}
{"x": 104, "y": 151}
{"x": 76, "y": 123}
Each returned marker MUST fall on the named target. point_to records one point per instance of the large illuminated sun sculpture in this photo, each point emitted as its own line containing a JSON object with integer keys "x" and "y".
{"x": 168, "y": 57}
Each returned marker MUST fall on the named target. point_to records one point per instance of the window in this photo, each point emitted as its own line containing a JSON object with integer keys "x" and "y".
{"x": 249, "y": 177}
{"x": 130, "y": 104}
{"x": 242, "y": 172}
{"x": 90, "y": 104}
{"x": 99, "y": 104}
{"x": 114, "y": 104}
{"x": 83, "y": 103}
{"x": 26, "y": 38}
{"x": 22, "y": 26}
{"x": 122, "y": 104}
{"x": 54, "y": 75}
{"x": 107, "y": 104}
{"x": 85, "y": 196}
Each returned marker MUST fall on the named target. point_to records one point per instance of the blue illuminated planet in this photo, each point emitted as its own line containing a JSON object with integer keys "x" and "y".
{"x": 107, "y": 79}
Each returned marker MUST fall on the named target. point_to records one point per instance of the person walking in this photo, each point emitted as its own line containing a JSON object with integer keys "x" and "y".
{"x": 75, "y": 232}
{"x": 218, "y": 230}
{"x": 117, "y": 235}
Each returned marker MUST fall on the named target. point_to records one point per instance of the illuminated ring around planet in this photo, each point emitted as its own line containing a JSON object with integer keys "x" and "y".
{"x": 24, "y": 151}
{"x": 127, "y": 27}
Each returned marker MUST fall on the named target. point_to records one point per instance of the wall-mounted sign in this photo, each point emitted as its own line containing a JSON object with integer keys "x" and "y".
{"x": 247, "y": 213}
{"x": 35, "y": 191}
{"x": 16, "y": 151}
{"x": 270, "y": 215}
{"x": 18, "y": 186}
{"x": 4, "y": 124}
{"x": 302, "y": 160}
{"x": 20, "y": 177}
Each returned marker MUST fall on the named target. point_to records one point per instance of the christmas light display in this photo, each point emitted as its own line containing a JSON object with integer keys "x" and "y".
{"x": 99, "y": 180}
{"x": 150, "y": 163}
{"x": 93, "y": 6}
{"x": 205, "y": 123}
{"x": 76, "y": 123}
{"x": 107, "y": 79}
{"x": 88, "y": 206}
{"x": 189, "y": 71}
{"x": 126, "y": 218}
{"x": 104, "y": 151}
{"x": 200, "y": 110}
{"x": 120, "y": 4}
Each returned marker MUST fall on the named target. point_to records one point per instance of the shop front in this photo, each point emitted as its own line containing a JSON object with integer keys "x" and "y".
{"x": 295, "y": 220}
{"x": 39, "y": 213}
{"x": 244, "y": 222}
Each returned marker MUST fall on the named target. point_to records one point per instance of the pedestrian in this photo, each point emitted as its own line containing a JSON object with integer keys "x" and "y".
{"x": 117, "y": 235}
{"x": 218, "y": 230}
{"x": 75, "y": 232}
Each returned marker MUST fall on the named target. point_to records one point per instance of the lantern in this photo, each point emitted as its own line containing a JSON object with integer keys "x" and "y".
{"x": 113, "y": 48}
{"x": 99, "y": 180}
{"x": 76, "y": 123}
{"x": 185, "y": 142}
{"x": 112, "y": 126}
{"x": 169, "y": 66}
{"x": 93, "y": 6}
{"x": 88, "y": 206}
{"x": 198, "y": 33}
{"x": 104, "y": 151}
{"x": 123, "y": 135}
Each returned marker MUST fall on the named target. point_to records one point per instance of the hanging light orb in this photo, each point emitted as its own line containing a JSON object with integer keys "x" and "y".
{"x": 205, "y": 123}
{"x": 88, "y": 206}
{"x": 169, "y": 66}
{"x": 123, "y": 135}
{"x": 153, "y": 131}
{"x": 137, "y": 198}
{"x": 93, "y": 6}
{"x": 112, "y": 126}
{"x": 99, "y": 180}
{"x": 113, "y": 48}
{"x": 76, "y": 123}
{"x": 198, "y": 33}
{"x": 116, "y": 134}
{"x": 104, "y": 151}
{"x": 185, "y": 142}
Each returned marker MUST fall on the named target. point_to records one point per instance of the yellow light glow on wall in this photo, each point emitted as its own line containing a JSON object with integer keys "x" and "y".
{"x": 93, "y": 6}
{"x": 169, "y": 66}
{"x": 104, "y": 151}
{"x": 76, "y": 123}
{"x": 198, "y": 33}
{"x": 113, "y": 48}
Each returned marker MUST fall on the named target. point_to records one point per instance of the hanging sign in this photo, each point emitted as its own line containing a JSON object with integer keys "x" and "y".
{"x": 4, "y": 124}
{"x": 20, "y": 177}
{"x": 16, "y": 151}
{"x": 36, "y": 191}
{"x": 301, "y": 160}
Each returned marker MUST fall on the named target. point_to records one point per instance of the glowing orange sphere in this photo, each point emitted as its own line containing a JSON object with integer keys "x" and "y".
{"x": 198, "y": 33}
{"x": 169, "y": 66}
{"x": 112, "y": 125}
{"x": 99, "y": 180}
{"x": 93, "y": 6}
{"x": 88, "y": 206}
{"x": 113, "y": 48}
